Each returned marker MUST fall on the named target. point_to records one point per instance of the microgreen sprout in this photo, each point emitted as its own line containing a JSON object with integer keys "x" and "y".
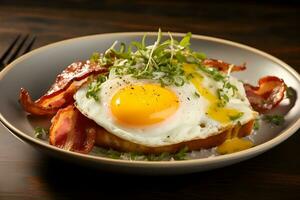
{"x": 94, "y": 87}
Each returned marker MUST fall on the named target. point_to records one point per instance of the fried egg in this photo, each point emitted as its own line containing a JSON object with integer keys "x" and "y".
{"x": 144, "y": 112}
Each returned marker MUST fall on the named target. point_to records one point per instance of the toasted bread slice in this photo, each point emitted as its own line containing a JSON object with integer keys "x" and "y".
{"x": 108, "y": 140}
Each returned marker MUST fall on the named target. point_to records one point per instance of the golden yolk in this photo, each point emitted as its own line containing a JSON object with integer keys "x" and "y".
{"x": 214, "y": 111}
{"x": 234, "y": 144}
{"x": 140, "y": 105}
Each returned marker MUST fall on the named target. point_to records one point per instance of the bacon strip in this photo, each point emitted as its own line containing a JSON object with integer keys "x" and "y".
{"x": 267, "y": 95}
{"x": 223, "y": 66}
{"x": 70, "y": 130}
{"x": 61, "y": 92}
{"x": 32, "y": 107}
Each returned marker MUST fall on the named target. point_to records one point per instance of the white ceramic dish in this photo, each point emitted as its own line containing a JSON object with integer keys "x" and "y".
{"x": 37, "y": 70}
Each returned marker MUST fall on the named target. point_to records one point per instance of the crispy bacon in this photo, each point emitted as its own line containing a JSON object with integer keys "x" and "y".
{"x": 267, "y": 95}
{"x": 61, "y": 92}
{"x": 72, "y": 131}
{"x": 223, "y": 66}
{"x": 32, "y": 107}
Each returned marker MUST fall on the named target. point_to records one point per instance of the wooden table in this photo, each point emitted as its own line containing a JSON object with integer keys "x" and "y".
{"x": 271, "y": 27}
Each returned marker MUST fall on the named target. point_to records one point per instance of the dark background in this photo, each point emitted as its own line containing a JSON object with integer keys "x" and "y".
{"x": 271, "y": 26}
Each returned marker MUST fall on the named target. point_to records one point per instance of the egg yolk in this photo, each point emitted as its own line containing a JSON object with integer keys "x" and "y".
{"x": 140, "y": 105}
{"x": 214, "y": 111}
{"x": 233, "y": 143}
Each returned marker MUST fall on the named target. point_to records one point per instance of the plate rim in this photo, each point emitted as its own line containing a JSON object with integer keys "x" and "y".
{"x": 283, "y": 135}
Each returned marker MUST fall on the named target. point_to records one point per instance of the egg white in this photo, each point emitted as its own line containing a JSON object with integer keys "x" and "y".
{"x": 183, "y": 126}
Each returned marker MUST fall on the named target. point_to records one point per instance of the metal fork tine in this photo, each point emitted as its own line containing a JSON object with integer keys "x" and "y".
{"x": 15, "y": 54}
{"x": 28, "y": 48}
{"x": 3, "y": 57}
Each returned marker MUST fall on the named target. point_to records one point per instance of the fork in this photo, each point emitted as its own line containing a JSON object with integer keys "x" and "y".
{"x": 13, "y": 51}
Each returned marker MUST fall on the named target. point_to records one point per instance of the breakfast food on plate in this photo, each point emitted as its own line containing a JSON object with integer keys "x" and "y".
{"x": 163, "y": 98}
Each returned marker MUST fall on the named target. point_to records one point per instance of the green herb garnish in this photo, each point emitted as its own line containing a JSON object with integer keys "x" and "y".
{"x": 224, "y": 99}
{"x": 229, "y": 86}
{"x": 256, "y": 125}
{"x": 274, "y": 119}
{"x": 185, "y": 42}
{"x": 114, "y": 154}
{"x": 161, "y": 61}
{"x": 180, "y": 155}
{"x": 237, "y": 116}
{"x": 95, "y": 57}
{"x": 40, "y": 132}
{"x": 94, "y": 87}
{"x": 214, "y": 73}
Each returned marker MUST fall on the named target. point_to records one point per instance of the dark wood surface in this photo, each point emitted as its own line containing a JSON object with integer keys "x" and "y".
{"x": 270, "y": 26}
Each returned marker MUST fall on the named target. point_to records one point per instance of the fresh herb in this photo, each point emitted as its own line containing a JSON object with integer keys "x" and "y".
{"x": 159, "y": 157}
{"x": 224, "y": 92}
{"x": 165, "y": 156}
{"x": 214, "y": 73}
{"x": 185, "y": 42}
{"x": 40, "y": 132}
{"x": 223, "y": 97}
{"x": 181, "y": 155}
{"x": 290, "y": 92}
{"x": 274, "y": 119}
{"x": 113, "y": 154}
{"x": 94, "y": 87}
{"x": 237, "y": 116}
{"x": 161, "y": 61}
{"x": 95, "y": 57}
{"x": 229, "y": 86}
{"x": 200, "y": 56}
{"x": 256, "y": 125}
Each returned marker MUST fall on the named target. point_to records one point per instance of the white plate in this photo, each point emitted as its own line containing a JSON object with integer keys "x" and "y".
{"x": 37, "y": 70}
